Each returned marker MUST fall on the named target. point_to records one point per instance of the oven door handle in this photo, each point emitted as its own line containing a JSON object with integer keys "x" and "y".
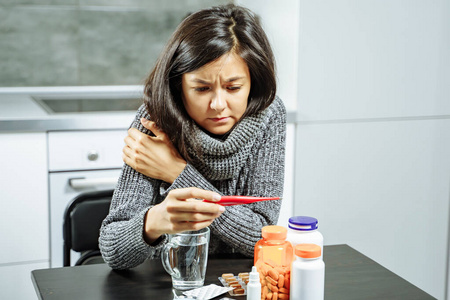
{"x": 85, "y": 183}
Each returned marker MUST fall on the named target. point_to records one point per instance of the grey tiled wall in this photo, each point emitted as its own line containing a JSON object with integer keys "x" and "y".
{"x": 86, "y": 42}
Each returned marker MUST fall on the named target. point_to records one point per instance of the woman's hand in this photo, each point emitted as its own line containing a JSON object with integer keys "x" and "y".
{"x": 181, "y": 211}
{"x": 155, "y": 157}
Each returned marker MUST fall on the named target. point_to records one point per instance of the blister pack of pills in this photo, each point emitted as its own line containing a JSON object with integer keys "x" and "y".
{"x": 207, "y": 292}
{"x": 238, "y": 283}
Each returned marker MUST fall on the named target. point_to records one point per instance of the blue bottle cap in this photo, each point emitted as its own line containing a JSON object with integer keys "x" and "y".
{"x": 303, "y": 223}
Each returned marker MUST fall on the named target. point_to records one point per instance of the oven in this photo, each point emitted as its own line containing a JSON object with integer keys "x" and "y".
{"x": 79, "y": 161}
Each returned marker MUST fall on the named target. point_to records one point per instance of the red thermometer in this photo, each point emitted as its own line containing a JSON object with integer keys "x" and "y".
{"x": 236, "y": 200}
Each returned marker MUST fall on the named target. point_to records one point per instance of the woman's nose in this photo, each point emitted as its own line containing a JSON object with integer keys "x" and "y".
{"x": 218, "y": 102}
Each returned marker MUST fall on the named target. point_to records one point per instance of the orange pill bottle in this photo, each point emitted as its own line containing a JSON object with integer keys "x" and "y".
{"x": 273, "y": 259}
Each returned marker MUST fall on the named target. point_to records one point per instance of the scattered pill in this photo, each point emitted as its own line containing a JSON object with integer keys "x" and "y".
{"x": 235, "y": 285}
{"x": 227, "y": 275}
{"x": 231, "y": 279}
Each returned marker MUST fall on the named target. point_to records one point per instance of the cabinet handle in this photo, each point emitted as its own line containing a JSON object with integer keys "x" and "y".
{"x": 92, "y": 155}
{"x": 84, "y": 183}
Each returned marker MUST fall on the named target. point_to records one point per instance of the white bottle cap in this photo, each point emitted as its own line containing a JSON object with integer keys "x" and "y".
{"x": 254, "y": 275}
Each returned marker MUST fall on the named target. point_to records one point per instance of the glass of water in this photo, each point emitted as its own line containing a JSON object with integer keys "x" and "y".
{"x": 185, "y": 257}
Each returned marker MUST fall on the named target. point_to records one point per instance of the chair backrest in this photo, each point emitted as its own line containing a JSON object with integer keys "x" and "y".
{"x": 82, "y": 221}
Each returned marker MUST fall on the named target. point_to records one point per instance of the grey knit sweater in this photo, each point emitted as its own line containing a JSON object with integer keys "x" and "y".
{"x": 250, "y": 161}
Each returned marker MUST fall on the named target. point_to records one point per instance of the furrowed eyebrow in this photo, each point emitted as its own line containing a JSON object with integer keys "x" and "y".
{"x": 201, "y": 81}
{"x": 234, "y": 78}
{"x": 197, "y": 80}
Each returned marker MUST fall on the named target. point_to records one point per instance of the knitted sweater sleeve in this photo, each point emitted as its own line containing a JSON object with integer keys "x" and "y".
{"x": 121, "y": 239}
{"x": 240, "y": 226}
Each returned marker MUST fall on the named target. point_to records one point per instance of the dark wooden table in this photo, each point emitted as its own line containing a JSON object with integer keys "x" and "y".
{"x": 348, "y": 275}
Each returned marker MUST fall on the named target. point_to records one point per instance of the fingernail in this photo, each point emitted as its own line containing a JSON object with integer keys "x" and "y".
{"x": 221, "y": 209}
{"x": 216, "y": 197}
{"x": 144, "y": 120}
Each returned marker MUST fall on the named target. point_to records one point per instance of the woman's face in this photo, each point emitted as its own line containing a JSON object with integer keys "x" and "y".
{"x": 215, "y": 96}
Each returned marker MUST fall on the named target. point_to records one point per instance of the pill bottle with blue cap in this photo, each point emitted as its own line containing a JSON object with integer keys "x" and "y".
{"x": 304, "y": 230}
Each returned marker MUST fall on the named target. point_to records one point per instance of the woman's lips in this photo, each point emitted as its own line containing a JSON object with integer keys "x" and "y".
{"x": 219, "y": 120}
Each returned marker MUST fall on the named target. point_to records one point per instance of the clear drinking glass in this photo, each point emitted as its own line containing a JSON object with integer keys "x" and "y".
{"x": 185, "y": 257}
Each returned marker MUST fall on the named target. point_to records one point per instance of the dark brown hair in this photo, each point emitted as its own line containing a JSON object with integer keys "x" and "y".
{"x": 201, "y": 38}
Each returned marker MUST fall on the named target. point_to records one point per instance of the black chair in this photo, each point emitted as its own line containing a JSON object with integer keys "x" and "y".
{"x": 81, "y": 229}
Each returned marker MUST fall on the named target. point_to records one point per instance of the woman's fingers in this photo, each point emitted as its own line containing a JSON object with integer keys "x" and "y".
{"x": 129, "y": 157}
{"x": 147, "y": 124}
{"x": 185, "y": 205}
{"x": 189, "y": 200}
{"x": 193, "y": 217}
{"x": 182, "y": 210}
{"x": 150, "y": 125}
{"x": 194, "y": 206}
{"x": 136, "y": 136}
{"x": 190, "y": 226}
{"x": 192, "y": 192}
{"x": 129, "y": 141}
{"x": 134, "y": 148}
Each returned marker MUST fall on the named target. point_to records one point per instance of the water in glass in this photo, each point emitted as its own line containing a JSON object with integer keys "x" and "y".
{"x": 189, "y": 261}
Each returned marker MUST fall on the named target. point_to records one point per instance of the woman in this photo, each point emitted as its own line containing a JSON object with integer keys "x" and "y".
{"x": 211, "y": 125}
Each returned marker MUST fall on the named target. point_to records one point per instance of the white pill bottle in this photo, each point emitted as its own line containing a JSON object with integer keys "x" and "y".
{"x": 307, "y": 273}
{"x": 304, "y": 230}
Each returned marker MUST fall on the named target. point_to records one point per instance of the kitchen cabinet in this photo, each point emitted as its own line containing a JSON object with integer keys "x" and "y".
{"x": 16, "y": 281}
{"x": 24, "y": 222}
{"x": 85, "y": 150}
{"x": 79, "y": 161}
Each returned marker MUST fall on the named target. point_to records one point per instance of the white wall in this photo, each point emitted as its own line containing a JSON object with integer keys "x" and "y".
{"x": 373, "y": 137}
{"x": 381, "y": 187}
{"x": 373, "y": 140}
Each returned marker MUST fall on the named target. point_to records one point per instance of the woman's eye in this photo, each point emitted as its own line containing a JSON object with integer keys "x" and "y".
{"x": 234, "y": 88}
{"x": 202, "y": 89}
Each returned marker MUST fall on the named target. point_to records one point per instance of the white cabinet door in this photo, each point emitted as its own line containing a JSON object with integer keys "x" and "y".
{"x": 85, "y": 150}
{"x": 24, "y": 198}
{"x": 16, "y": 281}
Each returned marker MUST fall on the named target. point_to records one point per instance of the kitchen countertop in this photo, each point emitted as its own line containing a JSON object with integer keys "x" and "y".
{"x": 19, "y": 112}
